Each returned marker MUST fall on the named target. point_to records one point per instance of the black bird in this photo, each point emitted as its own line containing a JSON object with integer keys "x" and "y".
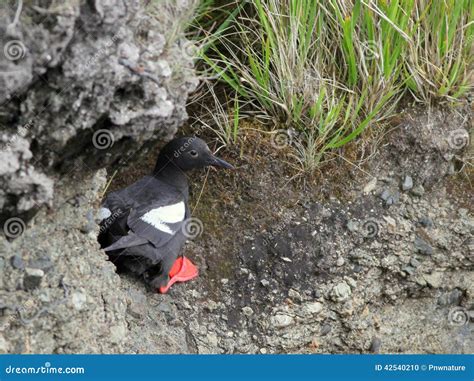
{"x": 143, "y": 226}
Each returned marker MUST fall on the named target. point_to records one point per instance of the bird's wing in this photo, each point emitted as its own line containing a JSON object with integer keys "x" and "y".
{"x": 159, "y": 221}
{"x": 148, "y": 211}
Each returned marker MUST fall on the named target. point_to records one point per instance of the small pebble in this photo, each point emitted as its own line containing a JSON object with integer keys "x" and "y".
{"x": 407, "y": 183}
{"x": 17, "y": 262}
{"x": 390, "y": 198}
{"x": 375, "y": 345}
{"x": 352, "y": 225}
{"x": 32, "y": 278}
{"x": 423, "y": 247}
{"x": 370, "y": 186}
{"x": 414, "y": 262}
{"x": 418, "y": 190}
{"x": 325, "y": 329}
{"x": 426, "y": 222}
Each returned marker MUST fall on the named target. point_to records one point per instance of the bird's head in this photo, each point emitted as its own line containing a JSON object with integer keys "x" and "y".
{"x": 189, "y": 153}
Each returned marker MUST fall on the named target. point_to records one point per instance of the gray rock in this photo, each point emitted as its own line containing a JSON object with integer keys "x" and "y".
{"x": 370, "y": 186}
{"x": 282, "y": 320}
{"x": 96, "y": 107}
{"x": 312, "y": 308}
{"x": 385, "y": 195}
{"x": 247, "y": 311}
{"x": 4, "y": 346}
{"x": 90, "y": 224}
{"x": 418, "y": 190}
{"x": 137, "y": 304}
{"x": 426, "y": 222}
{"x": 17, "y": 262}
{"x": 414, "y": 262}
{"x": 352, "y": 225}
{"x": 118, "y": 333}
{"x": 375, "y": 345}
{"x": 79, "y": 267}
{"x": 455, "y": 297}
{"x": 390, "y": 197}
{"x": 32, "y": 278}
{"x": 434, "y": 279}
{"x": 341, "y": 292}
{"x": 325, "y": 329}
{"x": 294, "y": 295}
{"x": 407, "y": 183}
{"x": 422, "y": 246}
{"x": 79, "y": 299}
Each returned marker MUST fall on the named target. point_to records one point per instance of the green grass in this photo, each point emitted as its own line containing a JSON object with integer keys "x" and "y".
{"x": 330, "y": 69}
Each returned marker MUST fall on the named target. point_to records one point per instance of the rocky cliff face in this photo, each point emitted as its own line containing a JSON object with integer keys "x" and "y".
{"x": 85, "y": 84}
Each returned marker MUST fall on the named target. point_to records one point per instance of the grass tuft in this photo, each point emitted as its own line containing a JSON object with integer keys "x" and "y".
{"x": 330, "y": 69}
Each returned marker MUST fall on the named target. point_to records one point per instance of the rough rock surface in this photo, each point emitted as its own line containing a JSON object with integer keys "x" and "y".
{"x": 88, "y": 82}
{"x": 58, "y": 292}
{"x": 315, "y": 270}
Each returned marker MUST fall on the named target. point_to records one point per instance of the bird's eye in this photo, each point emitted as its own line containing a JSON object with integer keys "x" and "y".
{"x": 193, "y": 153}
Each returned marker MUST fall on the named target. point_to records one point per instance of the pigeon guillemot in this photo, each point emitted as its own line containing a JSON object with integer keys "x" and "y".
{"x": 142, "y": 227}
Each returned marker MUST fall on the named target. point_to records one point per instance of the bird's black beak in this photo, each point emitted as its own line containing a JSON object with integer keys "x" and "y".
{"x": 216, "y": 162}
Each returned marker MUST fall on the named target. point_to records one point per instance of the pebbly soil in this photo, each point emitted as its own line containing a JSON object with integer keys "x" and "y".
{"x": 328, "y": 265}
{"x": 359, "y": 259}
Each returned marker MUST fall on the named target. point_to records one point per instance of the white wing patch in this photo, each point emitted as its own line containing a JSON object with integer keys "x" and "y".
{"x": 160, "y": 217}
{"x": 104, "y": 213}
